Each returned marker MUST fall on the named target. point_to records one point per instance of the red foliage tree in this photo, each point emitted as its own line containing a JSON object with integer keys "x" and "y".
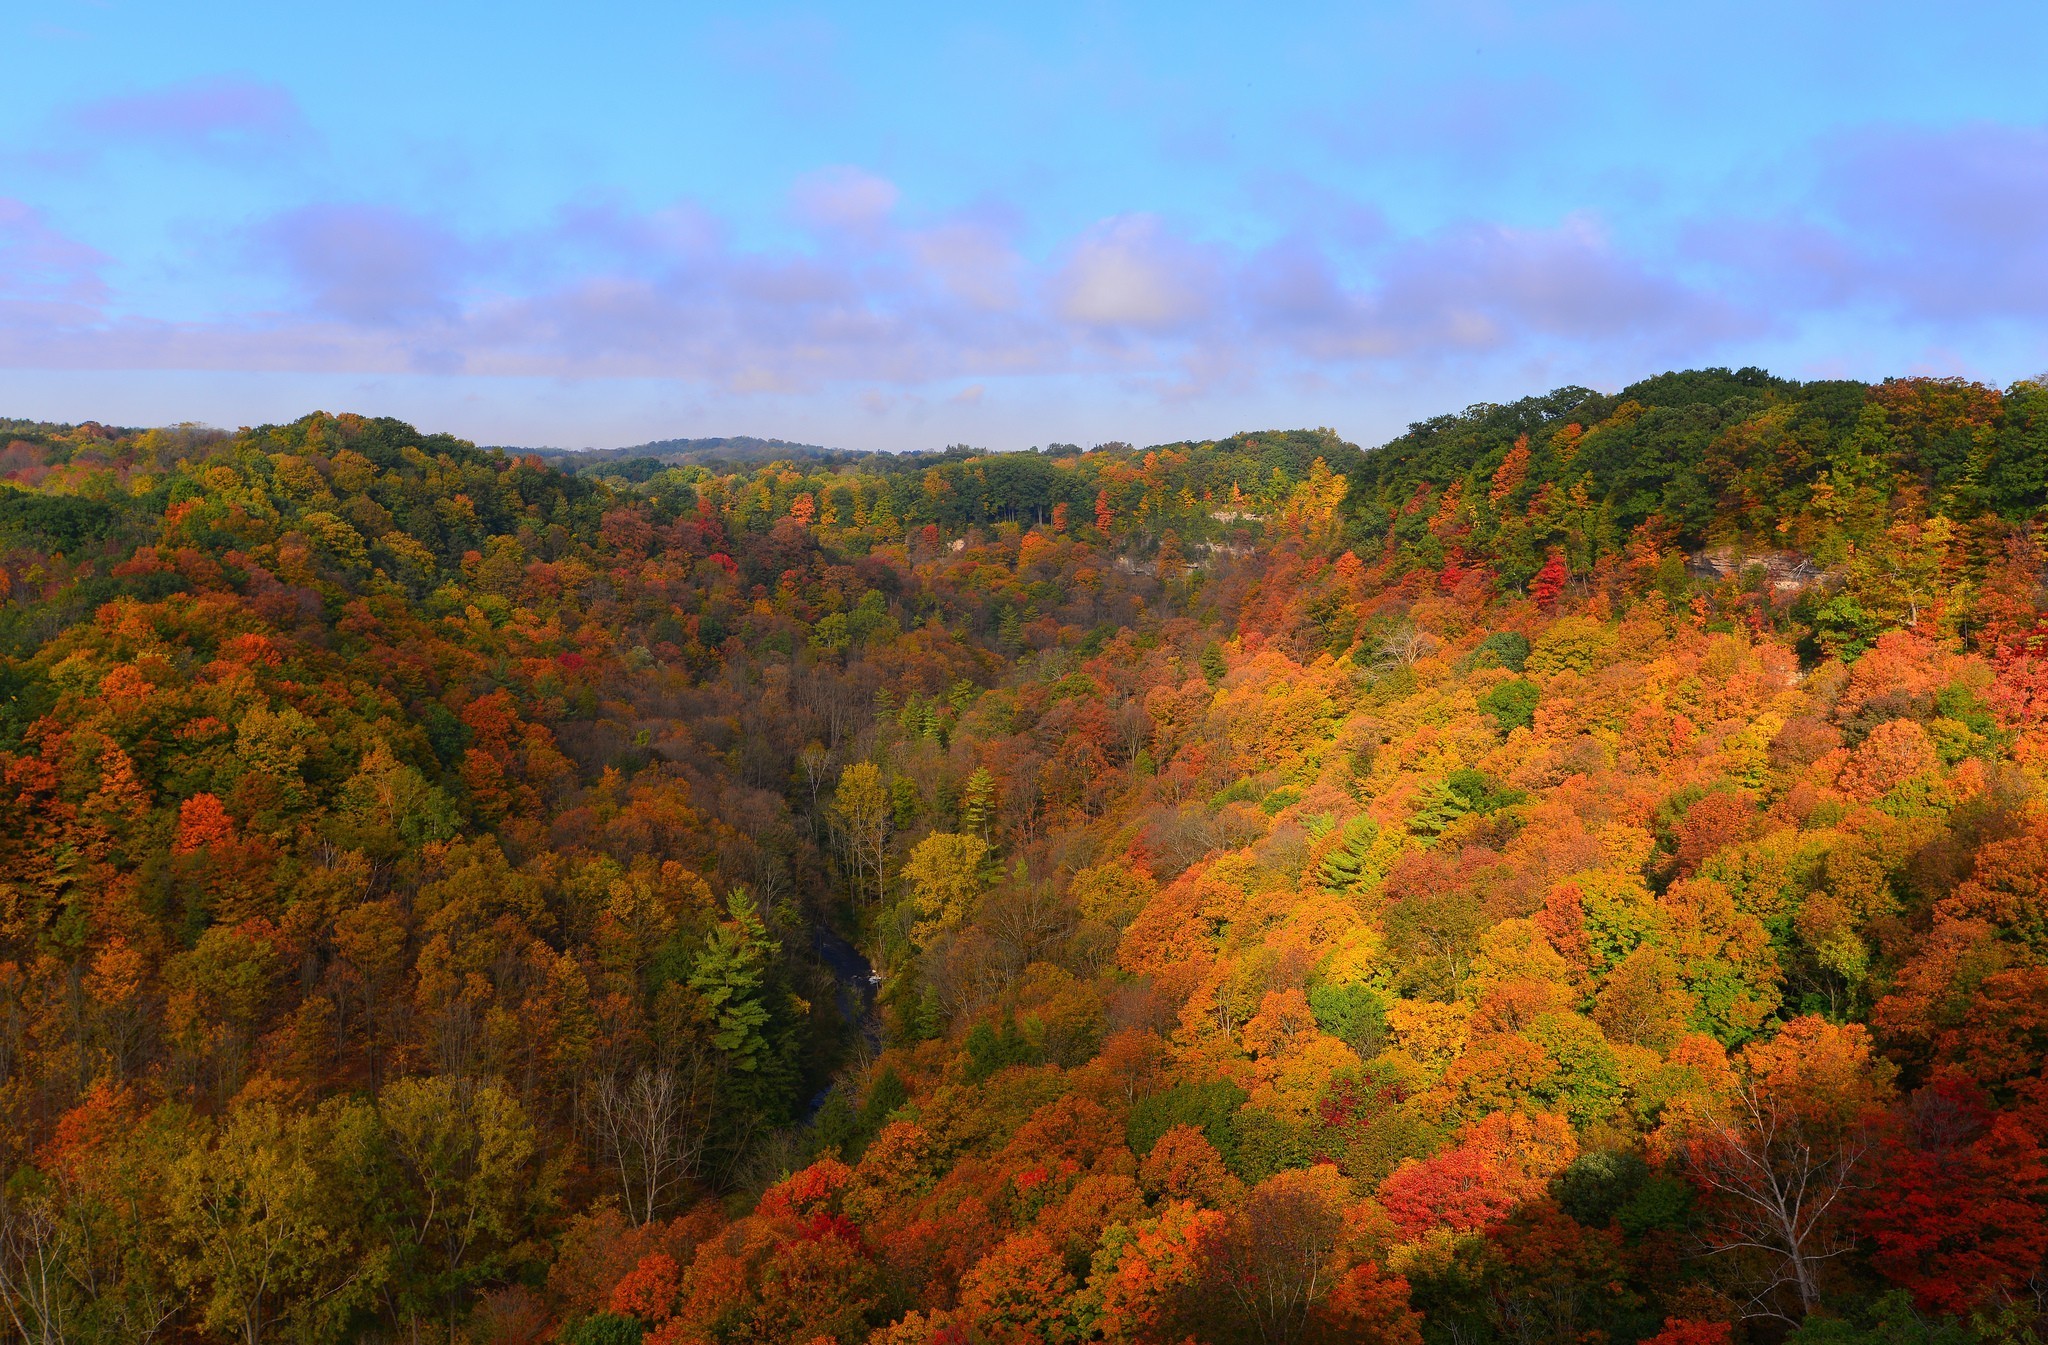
{"x": 1550, "y": 581}
{"x": 1960, "y": 1215}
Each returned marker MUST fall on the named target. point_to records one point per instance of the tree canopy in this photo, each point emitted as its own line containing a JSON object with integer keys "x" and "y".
{"x": 1574, "y": 872}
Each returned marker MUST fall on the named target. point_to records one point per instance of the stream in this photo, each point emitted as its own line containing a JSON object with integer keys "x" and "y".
{"x": 857, "y": 983}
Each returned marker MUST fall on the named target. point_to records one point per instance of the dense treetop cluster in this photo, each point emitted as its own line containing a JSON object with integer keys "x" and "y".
{"x": 1578, "y": 872}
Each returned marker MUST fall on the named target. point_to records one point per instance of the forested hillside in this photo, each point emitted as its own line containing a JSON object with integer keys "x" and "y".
{"x": 1577, "y": 873}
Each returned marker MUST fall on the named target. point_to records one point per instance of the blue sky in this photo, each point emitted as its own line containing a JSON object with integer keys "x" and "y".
{"x": 604, "y": 223}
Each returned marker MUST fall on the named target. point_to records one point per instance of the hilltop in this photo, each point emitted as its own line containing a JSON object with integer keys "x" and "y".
{"x": 640, "y": 461}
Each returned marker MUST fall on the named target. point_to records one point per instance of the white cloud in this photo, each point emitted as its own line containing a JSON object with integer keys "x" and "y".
{"x": 1130, "y": 272}
{"x": 845, "y": 197}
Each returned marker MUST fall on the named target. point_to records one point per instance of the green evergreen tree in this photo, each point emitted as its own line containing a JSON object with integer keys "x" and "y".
{"x": 728, "y": 975}
{"x": 978, "y": 802}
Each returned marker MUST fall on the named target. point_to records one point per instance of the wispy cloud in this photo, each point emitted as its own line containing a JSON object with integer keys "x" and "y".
{"x": 1943, "y": 229}
{"x": 1485, "y": 286}
{"x": 46, "y": 279}
{"x": 1459, "y": 126}
{"x": 845, "y": 198}
{"x": 1134, "y": 273}
{"x": 369, "y": 264}
{"x": 211, "y": 115}
{"x": 1942, "y": 226}
{"x": 1951, "y": 225}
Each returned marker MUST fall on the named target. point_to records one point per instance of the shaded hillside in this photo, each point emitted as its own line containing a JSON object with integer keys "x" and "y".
{"x": 642, "y": 461}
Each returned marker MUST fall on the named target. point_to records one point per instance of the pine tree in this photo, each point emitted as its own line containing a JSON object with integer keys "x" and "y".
{"x": 728, "y": 975}
{"x": 978, "y": 802}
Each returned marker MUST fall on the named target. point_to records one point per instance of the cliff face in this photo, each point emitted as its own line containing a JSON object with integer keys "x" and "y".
{"x": 1787, "y": 574}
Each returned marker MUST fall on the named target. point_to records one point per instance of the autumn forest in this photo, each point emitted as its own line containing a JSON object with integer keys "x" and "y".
{"x": 1577, "y": 872}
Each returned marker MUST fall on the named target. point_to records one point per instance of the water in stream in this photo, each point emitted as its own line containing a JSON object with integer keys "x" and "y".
{"x": 857, "y": 985}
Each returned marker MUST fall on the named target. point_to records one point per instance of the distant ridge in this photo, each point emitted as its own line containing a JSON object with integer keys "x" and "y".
{"x": 738, "y": 445}
{"x": 640, "y": 461}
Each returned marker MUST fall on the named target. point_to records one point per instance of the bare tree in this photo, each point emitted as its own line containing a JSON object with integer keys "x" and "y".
{"x": 1133, "y": 729}
{"x": 1181, "y": 837}
{"x": 652, "y": 1123}
{"x": 1273, "y": 1259}
{"x": 1017, "y": 926}
{"x": 1780, "y": 1176}
{"x": 966, "y": 971}
{"x": 1282, "y": 1256}
{"x": 814, "y": 761}
{"x": 1405, "y": 645}
{"x": 34, "y": 1252}
{"x": 1026, "y": 922}
{"x": 1022, "y": 792}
